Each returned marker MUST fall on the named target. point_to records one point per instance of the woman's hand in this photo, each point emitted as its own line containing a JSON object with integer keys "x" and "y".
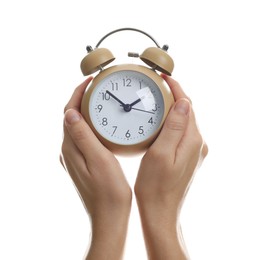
{"x": 99, "y": 180}
{"x": 165, "y": 174}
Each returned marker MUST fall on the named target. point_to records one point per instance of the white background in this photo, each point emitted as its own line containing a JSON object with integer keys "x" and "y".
{"x": 41, "y": 46}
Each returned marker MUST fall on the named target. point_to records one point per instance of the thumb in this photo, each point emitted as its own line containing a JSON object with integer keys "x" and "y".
{"x": 81, "y": 134}
{"x": 174, "y": 128}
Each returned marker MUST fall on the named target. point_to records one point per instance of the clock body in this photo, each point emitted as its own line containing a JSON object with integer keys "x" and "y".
{"x": 126, "y": 105}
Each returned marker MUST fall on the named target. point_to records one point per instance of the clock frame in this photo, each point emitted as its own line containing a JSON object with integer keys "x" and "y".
{"x": 167, "y": 99}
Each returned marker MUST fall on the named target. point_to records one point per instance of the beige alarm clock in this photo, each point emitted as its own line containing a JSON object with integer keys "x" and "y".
{"x": 126, "y": 104}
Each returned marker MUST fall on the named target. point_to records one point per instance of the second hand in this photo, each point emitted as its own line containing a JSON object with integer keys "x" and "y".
{"x": 150, "y": 112}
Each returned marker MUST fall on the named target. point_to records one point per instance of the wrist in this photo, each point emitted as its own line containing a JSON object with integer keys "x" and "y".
{"x": 162, "y": 231}
{"x": 113, "y": 221}
{"x": 108, "y": 236}
{"x": 159, "y": 209}
{"x": 159, "y": 220}
{"x": 163, "y": 239}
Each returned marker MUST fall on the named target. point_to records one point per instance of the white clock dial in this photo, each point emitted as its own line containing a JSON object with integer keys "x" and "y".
{"x": 126, "y": 107}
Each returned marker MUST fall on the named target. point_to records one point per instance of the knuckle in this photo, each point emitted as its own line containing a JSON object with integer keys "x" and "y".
{"x": 175, "y": 125}
{"x": 64, "y": 151}
{"x": 197, "y": 141}
{"x": 78, "y": 134}
{"x": 77, "y": 131}
{"x": 205, "y": 150}
{"x": 189, "y": 99}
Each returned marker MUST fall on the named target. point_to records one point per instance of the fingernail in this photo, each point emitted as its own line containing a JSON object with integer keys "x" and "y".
{"x": 72, "y": 116}
{"x": 182, "y": 106}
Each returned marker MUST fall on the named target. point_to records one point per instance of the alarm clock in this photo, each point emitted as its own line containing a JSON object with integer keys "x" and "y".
{"x": 126, "y": 104}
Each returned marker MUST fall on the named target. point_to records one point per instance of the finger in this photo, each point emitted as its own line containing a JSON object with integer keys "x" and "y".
{"x": 72, "y": 159}
{"x": 69, "y": 152}
{"x": 175, "y": 88}
{"x": 173, "y": 129}
{"x": 75, "y": 101}
{"x": 82, "y": 135}
{"x": 192, "y": 142}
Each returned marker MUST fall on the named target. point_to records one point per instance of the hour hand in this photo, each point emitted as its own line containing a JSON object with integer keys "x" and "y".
{"x": 135, "y": 102}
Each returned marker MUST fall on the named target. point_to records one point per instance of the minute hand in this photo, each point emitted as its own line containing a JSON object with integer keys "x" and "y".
{"x": 113, "y": 96}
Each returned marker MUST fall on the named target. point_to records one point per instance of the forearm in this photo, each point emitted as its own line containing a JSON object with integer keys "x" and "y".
{"x": 162, "y": 235}
{"x": 108, "y": 238}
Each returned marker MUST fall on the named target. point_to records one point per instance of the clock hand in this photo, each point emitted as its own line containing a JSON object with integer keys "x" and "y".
{"x": 126, "y": 107}
{"x": 143, "y": 110}
{"x": 113, "y": 96}
{"x": 135, "y": 102}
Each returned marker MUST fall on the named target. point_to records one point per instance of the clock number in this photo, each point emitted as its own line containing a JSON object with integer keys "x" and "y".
{"x": 127, "y": 82}
{"x": 99, "y": 107}
{"x": 114, "y": 130}
{"x": 155, "y": 108}
{"x": 115, "y": 86}
{"x": 128, "y": 135}
{"x": 140, "y": 84}
{"x": 150, "y": 121}
{"x": 104, "y": 121}
{"x": 105, "y": 96}
{"x": 141, "y": 131}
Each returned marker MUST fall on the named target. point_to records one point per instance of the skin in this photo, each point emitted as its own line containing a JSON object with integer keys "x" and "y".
{"x": 165, "y": 174}
{"x": 164, "y": 177}
{"x": 99, "y": 180}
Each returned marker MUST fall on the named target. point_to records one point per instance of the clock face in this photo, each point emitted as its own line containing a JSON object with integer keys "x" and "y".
{"x": 126, "y": 107}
